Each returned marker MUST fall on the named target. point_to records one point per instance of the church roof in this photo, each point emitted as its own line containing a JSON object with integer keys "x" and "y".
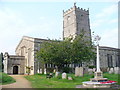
{"x": 32, "y": 39}
{"x": 108, "y": 48}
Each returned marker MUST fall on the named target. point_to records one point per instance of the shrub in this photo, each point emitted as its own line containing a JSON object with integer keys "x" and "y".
{"x": 91, "y": 67}
{"x": 67, "y": 69}
{"x": 5, "y": 79}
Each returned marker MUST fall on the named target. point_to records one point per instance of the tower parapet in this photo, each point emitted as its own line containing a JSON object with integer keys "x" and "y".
{"x": 69, "y": 11}
{"x": 75, "y": 8}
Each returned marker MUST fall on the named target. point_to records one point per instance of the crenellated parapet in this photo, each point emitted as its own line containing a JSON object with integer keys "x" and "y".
{"x": 69, "y": 10}
{"x": 75, "y": 8}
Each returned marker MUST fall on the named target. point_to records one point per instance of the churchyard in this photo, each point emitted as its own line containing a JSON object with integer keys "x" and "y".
{"x": 40, "y": 81}
{"x": 68, "y": 80}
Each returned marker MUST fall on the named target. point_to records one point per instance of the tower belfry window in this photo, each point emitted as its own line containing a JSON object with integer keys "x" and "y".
{"x": 68, "y": 18}
{"x": 81, "y": 15}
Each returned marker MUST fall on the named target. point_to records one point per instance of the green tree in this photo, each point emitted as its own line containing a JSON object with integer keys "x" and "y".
{"x": 77, "y": 50}
{"x": 82, "y": 49}
{"x": 1, "y": 62}
{"x": 54, "y": 52}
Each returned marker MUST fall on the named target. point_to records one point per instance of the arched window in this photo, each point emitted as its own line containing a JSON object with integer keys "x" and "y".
{"x": 110, "y": 61}
{"x": 68, "y": 19}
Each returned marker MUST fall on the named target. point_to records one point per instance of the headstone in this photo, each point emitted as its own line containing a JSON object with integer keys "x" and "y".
{"x": 45, "y": 71}
{"x": 77, "y": 71}
{"x": 94, "y": 69}
{"x": 111, "y": 71}
{"x": 108, "y": 69}
{"x": 90, "y": 71}
{"x": 64, "y": 75}
{"x": 116, "y": 70}
{"x": 86, "y": 70}
{"x": 54, "y": 71}
{"x": 81, "y": 71}
{"x": 70, "y": 78}
{"x": 57, "y": 74}
{"x": 40, "y": 71}
{"x": 104, "y": 69}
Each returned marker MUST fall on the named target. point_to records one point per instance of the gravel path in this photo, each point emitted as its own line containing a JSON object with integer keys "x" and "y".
{"x": 21, "y": 82}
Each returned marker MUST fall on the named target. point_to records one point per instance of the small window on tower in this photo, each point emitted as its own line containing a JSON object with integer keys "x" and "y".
{"x": 68, "y": 18}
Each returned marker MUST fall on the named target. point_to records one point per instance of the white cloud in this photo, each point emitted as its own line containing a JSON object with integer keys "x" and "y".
{"x": 104, "y": 17}
{"x": 113, "y": 21}
{"x": 109, "y": 38}
{"x": 107, "y": 11}
{"x": 105, "y": 25}
{"x": 97, "y": 23}
{"x": 10, "y": 24}
{"x": 13, "y": 27}
{"x": 100, "y": 22}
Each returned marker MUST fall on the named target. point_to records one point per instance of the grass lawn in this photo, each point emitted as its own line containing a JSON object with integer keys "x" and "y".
{"x": 40, "y": 81}
{"x": 5, "y": 79}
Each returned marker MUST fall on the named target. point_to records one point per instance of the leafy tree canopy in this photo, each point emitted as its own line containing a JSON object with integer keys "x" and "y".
{"x": 71, "y": 50}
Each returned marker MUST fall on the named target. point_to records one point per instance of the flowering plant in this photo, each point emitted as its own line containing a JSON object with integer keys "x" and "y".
{"x": 110, "y": 81}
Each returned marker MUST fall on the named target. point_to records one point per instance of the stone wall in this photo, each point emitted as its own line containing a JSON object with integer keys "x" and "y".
{"x": 26, "y": 48}
{"x": 109, "y": 57}
{"x": 13, "y": 60}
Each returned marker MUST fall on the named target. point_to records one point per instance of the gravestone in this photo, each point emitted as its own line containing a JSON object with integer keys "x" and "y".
{"x": 85, "y": 70}
{"x": 90, "y": 71}
{"x": 108, "y": 69}
{"x": 45, "y": 71}
{"x": 57, "y": 74}
{"x": 54, "y": 71}
{"x": 116, "y": 70}
{"x": 94, "y": 69}
{"x": 70, "y": 78}
{"x": 40, "y": 71}
{"x": 111, "y": 71}
{"x": 64, "y": 75}
{"x": 104, "y": 69}
{"x": 79, "y": 71}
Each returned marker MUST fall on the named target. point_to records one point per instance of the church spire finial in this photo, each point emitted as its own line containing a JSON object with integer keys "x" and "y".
{"x": 74, "y": 3}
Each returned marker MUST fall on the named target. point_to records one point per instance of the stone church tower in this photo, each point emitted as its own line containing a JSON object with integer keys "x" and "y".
{"x": 75, "y": 20}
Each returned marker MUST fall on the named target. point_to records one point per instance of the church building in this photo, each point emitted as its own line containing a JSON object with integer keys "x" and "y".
{"x": 75, "y": 19}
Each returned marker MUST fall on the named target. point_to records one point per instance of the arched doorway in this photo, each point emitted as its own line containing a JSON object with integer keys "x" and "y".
{"x": 15, "y": 69}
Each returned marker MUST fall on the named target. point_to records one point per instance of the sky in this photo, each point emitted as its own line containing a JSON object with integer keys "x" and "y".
{"x": 44, "y": 19}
